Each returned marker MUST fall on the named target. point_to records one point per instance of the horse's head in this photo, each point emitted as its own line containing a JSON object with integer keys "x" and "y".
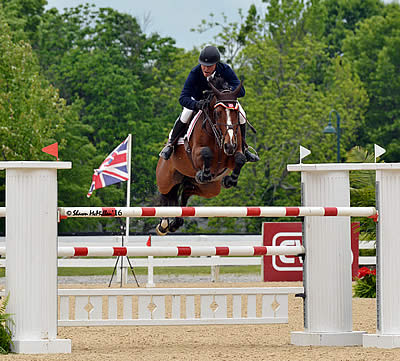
{"x": 226, "y": 116}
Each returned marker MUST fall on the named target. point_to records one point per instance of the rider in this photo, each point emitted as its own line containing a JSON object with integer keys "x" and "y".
{"x": 192, "y": 100}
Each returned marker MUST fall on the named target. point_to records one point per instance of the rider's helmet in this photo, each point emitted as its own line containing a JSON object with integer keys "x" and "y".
{"x": 209, "y": 56}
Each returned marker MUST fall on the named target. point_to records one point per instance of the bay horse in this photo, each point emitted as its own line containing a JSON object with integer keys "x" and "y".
{"x": 210, "y": 157}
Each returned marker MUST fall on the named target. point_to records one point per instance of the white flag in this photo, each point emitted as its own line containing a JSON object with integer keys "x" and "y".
{"x": 304, "y": 152}
{"x": 378, "y": 151}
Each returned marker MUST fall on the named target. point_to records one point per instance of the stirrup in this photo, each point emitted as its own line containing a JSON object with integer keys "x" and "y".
{"x": 251, "y": 157}
{"x": 167, "y": 151}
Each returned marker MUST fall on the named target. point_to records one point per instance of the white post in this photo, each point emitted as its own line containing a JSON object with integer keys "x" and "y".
{"x": 387, "y": 258}
{"x": 215, "y": 268}
{"x": 327, "y": 267}
{"x": 150, "y": 272}
{"x": 31, "y": 265}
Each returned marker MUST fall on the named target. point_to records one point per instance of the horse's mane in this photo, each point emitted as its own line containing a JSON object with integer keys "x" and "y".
{"x": 220, "y": 83}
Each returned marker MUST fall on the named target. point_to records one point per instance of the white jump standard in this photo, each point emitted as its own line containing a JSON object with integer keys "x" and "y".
{"x": 31, "y": 265}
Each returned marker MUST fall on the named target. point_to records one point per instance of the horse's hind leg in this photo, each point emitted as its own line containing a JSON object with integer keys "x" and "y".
{"x": 187, "y": 191}
{"x": 162, "y": 227}
{"x": 232, "y": 179}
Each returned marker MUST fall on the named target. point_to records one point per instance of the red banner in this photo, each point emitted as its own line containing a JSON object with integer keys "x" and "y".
{"x": 290, "y": 268}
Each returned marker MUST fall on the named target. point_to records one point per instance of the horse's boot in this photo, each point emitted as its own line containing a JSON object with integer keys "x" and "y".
{"x": 178, "y": 129}
{"x": 250, "y": 157}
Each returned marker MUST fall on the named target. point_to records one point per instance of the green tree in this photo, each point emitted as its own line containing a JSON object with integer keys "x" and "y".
{"x": 362, "y": 189}
{"x": 373, "y": 52}
{"x": 23, "y": 17}
{"x": 340, "y": 17}
{"x": 32, "y": 114}
{"x": 31, "y": 110}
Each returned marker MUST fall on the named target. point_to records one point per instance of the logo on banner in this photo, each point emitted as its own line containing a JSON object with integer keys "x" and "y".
{"x": 287, "y": 263}
{"x": 290, "y": 268}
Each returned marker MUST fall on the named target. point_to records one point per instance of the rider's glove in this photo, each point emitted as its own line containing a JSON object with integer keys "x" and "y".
{"x": 201, "y": 104}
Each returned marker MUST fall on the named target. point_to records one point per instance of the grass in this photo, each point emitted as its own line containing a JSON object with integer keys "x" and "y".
{"x": 367, "y": 252}
{"x": 107, "y": 271}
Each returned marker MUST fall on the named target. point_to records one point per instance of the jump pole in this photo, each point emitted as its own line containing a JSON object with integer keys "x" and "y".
{"x": 79, "y": 212}
{"x": 178, "y": 251}
{"x": 31, "y": 265}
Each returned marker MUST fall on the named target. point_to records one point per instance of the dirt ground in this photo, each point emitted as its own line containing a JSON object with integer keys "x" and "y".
{"x": 247, "y": 342}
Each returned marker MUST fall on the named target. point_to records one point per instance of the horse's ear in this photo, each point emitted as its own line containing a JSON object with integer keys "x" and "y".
{"x": 215, "y": 90}
{"x": 237, "y": 90}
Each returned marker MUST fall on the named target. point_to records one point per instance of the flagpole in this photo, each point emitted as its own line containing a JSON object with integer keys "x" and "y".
{"x": 128, "y": 186}
{"x": 124, "y": 271}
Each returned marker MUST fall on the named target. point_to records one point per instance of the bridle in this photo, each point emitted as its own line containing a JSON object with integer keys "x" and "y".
{"x": 215, "y": 127}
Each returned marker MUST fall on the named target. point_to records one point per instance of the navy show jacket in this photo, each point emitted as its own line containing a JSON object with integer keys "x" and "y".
{"x": 196, "y": 83}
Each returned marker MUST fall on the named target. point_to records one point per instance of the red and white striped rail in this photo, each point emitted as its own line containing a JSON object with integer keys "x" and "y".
{"x": 67, "y": 212}
{"x": 177, "y": 251}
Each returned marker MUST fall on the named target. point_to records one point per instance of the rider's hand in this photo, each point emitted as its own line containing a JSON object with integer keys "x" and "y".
{"x": 201, "y": 104}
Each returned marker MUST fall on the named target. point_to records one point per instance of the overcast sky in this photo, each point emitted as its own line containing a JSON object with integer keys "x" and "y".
{"x": 172, "y": 18}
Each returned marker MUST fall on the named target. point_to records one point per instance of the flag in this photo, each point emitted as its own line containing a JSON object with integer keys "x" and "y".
{"x": 378, "y": 151}
{"x": 304, "y": 152}
{"x": 51, "y": 149}
{"x": 148, "y": 243}
{"x": 113, "y": 170}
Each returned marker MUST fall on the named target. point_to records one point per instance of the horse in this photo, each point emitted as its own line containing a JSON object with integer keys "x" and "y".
{"x": 210, "y": 157}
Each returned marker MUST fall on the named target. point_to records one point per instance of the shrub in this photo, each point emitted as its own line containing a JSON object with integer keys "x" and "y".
{"x": 5, "y": 331}
{"x": 365, "y": 286}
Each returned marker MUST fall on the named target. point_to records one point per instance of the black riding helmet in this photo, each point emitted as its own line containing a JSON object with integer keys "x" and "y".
{"x": 209, "y": 56}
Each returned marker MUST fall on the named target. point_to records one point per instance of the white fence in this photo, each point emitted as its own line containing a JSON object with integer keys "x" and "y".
{"x": 177, "y": 306}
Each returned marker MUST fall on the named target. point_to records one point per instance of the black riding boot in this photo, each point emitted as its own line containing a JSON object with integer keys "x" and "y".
{"x": 178, "y": 129}
{"x": 250, "y": 157}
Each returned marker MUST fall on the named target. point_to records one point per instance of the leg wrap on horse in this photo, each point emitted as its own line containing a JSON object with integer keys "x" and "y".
{"x": 204, "y": 175}
{"x": 232, "y": 179}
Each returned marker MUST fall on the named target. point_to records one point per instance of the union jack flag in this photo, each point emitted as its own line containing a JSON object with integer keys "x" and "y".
{"x": 113, "y": 170}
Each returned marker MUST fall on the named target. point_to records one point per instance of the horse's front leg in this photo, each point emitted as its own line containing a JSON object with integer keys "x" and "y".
{"x": 232, "y": 179}
{"x": 204, "y": 175}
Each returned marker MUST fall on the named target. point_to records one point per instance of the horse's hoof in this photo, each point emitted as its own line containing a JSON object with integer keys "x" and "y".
{"x": 161, "y": 231}
{"x": 175, "y": 224}
{"x": 229, "y": 182}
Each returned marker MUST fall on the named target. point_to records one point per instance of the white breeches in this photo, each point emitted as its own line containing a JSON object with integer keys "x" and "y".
{"x": 186, "y": 115}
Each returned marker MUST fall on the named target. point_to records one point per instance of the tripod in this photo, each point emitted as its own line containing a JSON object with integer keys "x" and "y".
{"x": 123, "y": 230}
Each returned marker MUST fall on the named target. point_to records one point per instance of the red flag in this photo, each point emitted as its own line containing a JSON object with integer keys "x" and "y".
{"x": 51, "y": 149}
{"x": 148, "y": 244}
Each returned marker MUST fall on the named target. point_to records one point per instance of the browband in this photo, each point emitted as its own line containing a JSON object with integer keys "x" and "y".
{"x": 231, "y": 104}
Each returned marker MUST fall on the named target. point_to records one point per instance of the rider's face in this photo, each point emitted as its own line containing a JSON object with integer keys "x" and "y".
{"x": 208, "y": 70}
